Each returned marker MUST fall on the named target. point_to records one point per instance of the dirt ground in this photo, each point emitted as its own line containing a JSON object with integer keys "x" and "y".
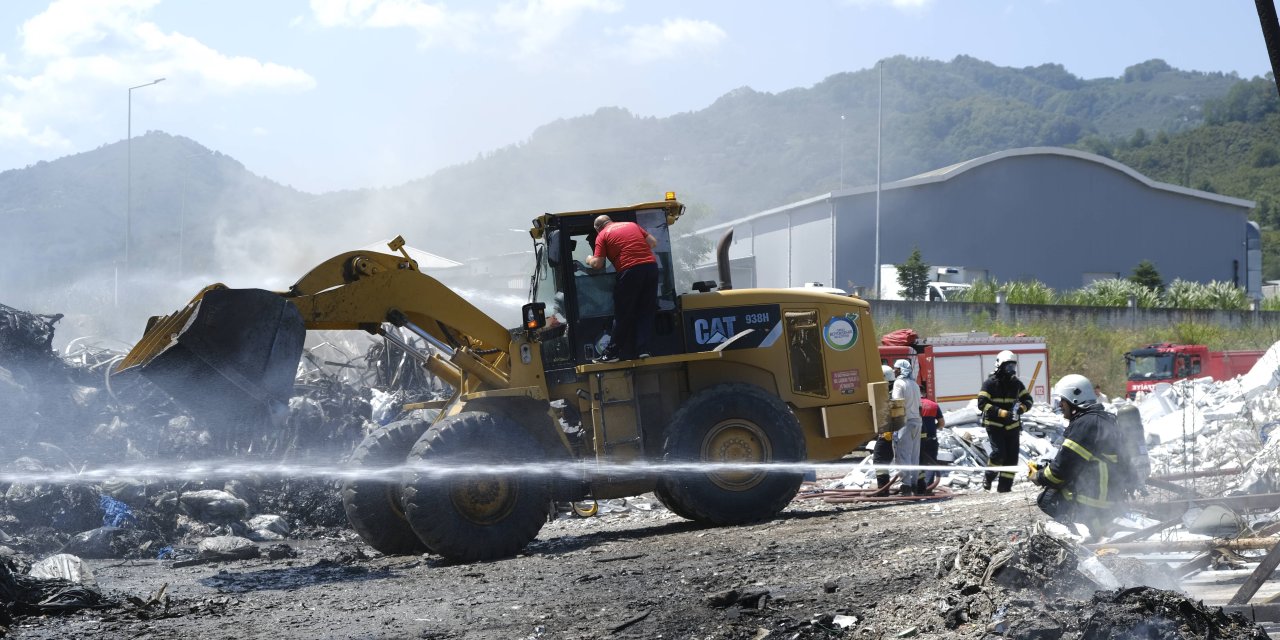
{"x": 963, "y": 568}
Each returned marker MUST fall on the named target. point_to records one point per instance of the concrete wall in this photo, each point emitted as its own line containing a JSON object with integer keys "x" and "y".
{"x": 962, "y": 313}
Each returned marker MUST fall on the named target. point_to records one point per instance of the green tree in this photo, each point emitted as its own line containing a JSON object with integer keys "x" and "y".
{"x": 1145, "y": 274}
{"x": 1146, "y": 71}
{"x": 1263, "y": 156}
{"x": 913, "y": 277}
{"x": 1246, "y": 101}
{"x": 1139, "y": 139}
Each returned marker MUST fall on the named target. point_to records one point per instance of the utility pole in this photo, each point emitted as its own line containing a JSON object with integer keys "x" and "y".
{"x": 879, "y": 121}
{"x": 128, "y": 207}
{"x": 842, "y": 151}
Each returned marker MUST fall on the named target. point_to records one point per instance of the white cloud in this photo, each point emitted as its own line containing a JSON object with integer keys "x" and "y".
{"x": 902, "y": 5}
{"x": 674, "y": 37}
{"x": 13, "y": 127}
{"x": 75, "y": 51}
{"x": 182, "y": 57}
{"x": 434, "y": 23}
{"x": 539, "y": 24}
{"x": 67, "y": 25}
{"x": 535, "y": 26}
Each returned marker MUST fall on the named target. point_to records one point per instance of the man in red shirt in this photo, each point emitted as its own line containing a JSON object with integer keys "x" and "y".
{"x": 635, "y": 293}
{"x": 932, "y": 420}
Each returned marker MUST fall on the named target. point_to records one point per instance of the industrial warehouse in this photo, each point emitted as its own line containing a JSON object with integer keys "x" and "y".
{"x": 1060, "y": 216}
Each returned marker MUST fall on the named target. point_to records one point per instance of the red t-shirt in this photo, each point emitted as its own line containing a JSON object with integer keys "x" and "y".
{"x": 928, "y": 408}
{"x": 624, "y": 244}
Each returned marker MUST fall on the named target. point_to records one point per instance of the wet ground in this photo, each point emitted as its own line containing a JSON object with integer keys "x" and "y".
{"x": 963, "y": 568}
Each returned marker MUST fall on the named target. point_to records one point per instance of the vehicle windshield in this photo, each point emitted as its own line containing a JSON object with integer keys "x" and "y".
{"x": 1157, "y": 367}
{"x": 945, "y": 290}
{"x": 544, "y": 288}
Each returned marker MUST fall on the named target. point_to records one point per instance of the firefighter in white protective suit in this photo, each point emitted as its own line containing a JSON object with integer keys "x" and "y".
{"x": 906, "y": 441}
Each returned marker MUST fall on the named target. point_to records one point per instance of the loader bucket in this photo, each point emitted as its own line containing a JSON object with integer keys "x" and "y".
{"x": 229, "y": 355}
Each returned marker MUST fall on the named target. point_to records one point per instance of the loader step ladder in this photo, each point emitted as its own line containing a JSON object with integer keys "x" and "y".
{"x": 616, "y": 409}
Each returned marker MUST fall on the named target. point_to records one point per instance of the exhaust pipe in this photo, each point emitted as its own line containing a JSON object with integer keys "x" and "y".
{"x": 722, "y": 261}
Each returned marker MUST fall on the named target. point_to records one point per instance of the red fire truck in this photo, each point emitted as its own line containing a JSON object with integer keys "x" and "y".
{"x": 1167, "y": 362}
{"x": 952, "y": 367}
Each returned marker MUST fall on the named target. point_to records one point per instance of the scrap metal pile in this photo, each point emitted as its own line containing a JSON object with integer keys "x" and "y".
{"x": 66, "y": 413}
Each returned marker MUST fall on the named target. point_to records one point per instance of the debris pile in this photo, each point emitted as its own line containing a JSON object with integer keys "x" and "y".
{"x": 1038, "y": 587}
{"x": 1202, "y": 425}
{"x": 69, "y": 413}
{"x": 59, "y": 584}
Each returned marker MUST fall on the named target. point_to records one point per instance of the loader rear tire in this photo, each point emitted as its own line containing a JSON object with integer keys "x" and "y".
{"x": 732, "y": 423}
{"x": 460, "y": 509}
{"x": 373, "y": 505}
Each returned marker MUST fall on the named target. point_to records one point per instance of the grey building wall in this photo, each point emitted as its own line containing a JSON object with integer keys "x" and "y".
{"x": 1049, "y": 214}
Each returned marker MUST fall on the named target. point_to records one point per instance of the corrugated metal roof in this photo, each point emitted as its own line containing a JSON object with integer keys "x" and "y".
{"x": 951, "y": 171}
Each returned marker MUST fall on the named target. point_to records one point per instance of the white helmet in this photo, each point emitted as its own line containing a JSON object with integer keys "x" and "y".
{"x": 904, "y": 367}
{"x": 1077, "y": 390}
{"x": 1004, "y": 357}
{"x": 888, "y": 372}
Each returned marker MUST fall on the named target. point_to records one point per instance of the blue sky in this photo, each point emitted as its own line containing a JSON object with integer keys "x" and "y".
{"x": 337, "y": 94}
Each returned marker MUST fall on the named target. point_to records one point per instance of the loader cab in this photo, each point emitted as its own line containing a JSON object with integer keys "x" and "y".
{"x": 581, "y": 300}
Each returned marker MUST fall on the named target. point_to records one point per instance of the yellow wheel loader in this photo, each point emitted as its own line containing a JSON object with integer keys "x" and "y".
{"x": 740, "y": 376}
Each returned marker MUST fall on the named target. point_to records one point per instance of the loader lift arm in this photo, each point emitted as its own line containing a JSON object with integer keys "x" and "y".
{"x": 240, "y": 347}
{"x": 362, "y": 290}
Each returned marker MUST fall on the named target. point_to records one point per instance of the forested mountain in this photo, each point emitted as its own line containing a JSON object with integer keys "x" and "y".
{"x": 746, "y": 152}
{"x": 1236, "y": 153}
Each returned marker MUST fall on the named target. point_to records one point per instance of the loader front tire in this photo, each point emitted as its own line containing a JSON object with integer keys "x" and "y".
{"x": 373, "y": 504}
{"x": 461, "y": 507}
{"x": 732, "y": 423}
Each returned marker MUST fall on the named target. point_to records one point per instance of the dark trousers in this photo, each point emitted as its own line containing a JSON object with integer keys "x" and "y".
{"x": 929, "y": 457}
{"x": 882, "y": 454}
{"x": 1004, "y": 453}
{"x": 635, "y": 302}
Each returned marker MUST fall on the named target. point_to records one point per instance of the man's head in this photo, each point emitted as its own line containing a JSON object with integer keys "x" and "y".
{"x": 602, "y": 220}
{"x": 903, "y": 368}
{"x": 889, "y": 374}
{"x": 1075, "y": 394}
{"x": 1006, "y": 363}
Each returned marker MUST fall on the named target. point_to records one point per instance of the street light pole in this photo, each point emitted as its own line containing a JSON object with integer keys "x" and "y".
{"x": 128, "y": 208}
{"x": 841, "y": 152}
{"x": 879, "y": 122}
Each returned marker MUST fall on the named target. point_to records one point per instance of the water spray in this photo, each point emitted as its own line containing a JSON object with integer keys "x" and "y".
{"x": 198, "y": 470}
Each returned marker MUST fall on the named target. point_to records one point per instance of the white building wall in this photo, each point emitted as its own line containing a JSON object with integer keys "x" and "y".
{"x": 811, "y": 246}
{"x": 772, "y": 251}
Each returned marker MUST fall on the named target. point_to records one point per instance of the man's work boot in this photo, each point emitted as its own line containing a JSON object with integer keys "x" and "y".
{"x": 882, "y": 482}
{"x": 986, "y": 484}
{"x": 1005, "y": 485}
{"x": 920, "y": 487}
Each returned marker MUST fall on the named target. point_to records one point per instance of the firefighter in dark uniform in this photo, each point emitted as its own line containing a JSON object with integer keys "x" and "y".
{"x": 1002, "y": 399}
{"x": 882, "y": 453}
{"x": 1081, "y": 480}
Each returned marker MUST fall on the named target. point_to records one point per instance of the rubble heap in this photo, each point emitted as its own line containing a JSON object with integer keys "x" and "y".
{"x": 1037, "y": 587}
{"x": 1200, "y": 425}
{"x": 68, "y": 413}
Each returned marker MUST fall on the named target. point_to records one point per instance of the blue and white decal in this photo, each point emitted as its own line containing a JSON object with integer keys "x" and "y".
{"x": 706, "y": 329}
{"x": 841, "y": 332}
